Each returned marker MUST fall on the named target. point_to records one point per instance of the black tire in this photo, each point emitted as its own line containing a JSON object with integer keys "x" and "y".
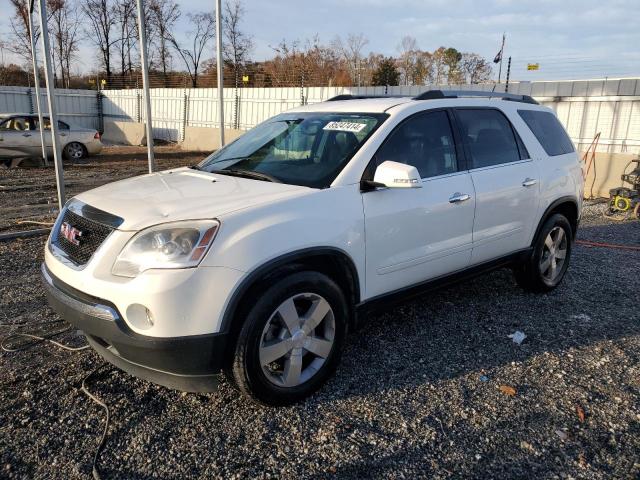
{"x": 245, "y": 369}
{"x": 70, "y": 151}
{"x": 528, "y": 274}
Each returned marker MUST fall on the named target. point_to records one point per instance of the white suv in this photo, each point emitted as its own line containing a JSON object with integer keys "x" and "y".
{"x": 258, "y": 261}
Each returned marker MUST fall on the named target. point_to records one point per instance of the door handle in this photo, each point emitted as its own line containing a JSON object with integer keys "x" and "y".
{"x": 529, "y": 182}
{"x": 26, "y": 134}
{"x": 459, "y": 197}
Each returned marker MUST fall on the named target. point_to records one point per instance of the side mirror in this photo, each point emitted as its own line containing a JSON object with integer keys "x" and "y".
{"x": 397, "y": 175}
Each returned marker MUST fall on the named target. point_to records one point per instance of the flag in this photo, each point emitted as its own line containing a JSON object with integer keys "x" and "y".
{"x": 498, "y": 57}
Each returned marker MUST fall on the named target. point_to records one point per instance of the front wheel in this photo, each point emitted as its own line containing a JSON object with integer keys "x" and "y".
{"x": 546, "y": 267}
{"x": 291, "y": 340}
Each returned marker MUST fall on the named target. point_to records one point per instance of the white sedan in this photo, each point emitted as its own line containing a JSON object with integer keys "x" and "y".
{"x": 20, "y": 138}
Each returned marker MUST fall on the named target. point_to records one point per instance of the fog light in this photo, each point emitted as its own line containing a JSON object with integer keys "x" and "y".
{"x": 140, "y": 316}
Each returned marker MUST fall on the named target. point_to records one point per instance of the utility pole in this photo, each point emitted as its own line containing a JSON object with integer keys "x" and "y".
{"x": 220, "y": 71}
{"x": 145, "y": 86}
{"x": 53, "y": 109}
{"x": 36, "y": 81}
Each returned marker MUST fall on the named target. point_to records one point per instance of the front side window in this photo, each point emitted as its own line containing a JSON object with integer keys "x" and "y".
{"x": 19, "y": 124}
{"x": 489, "y": 137}
{"x": 424, "y": 141}
{"x": 307, "y": 149}
{"x": 549, "y": 132}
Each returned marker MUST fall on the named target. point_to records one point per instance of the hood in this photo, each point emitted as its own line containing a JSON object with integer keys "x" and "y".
{"x": 183, "y": 194}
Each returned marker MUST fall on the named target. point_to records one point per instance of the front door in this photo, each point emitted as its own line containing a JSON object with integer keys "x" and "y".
{"x": 17, "y": 138}
{"x": 416, "y": 234}
{"x": 505, "y": 179}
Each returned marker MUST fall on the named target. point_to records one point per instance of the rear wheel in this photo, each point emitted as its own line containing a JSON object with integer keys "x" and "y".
{"x": 75, "y": 151}
{"x": 291, "y": 340}
{"x": 546, "y": 267}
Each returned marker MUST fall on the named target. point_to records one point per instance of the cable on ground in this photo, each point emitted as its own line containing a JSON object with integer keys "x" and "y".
{"x": 4, "y": 344}
{"x": 608, "y": 245}
{"x": 47, "y": 338}
{"x": 103, "y": 438}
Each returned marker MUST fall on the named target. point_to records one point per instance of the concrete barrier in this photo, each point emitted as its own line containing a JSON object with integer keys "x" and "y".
{"x": 605, "y": 173}
{"x": 124, "y": 133}
{"x": 205, "y": 139}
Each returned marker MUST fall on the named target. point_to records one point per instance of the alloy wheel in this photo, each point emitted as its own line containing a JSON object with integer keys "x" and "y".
{"x": 554, "y": 253}
{"x": 297, "y": 340}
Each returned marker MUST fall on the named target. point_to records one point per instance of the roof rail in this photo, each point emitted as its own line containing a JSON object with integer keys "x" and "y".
{"x": 348, "y": 96}
{"x": 437, "y": 94}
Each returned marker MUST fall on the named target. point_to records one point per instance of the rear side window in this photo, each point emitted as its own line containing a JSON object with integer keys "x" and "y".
{"x": 424, "y": 141}
{"x": 549, "y": 132}
{"x": 489, "y": 137}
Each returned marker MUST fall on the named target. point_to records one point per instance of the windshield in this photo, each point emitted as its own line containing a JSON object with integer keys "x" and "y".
{"x": 308, "y": 149}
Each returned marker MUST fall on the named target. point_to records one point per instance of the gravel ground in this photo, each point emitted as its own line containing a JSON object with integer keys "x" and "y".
{"x": 30, "y": 193}
{"x": 417, "y": 395}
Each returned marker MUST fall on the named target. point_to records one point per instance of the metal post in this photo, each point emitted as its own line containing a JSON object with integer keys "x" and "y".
{"x": 145, "y": 86}
{"x": 36, "y": 81}
{"x": 506, "y": 87}
{"x": 53, "y": 114}
{"x": 220, "y": 66}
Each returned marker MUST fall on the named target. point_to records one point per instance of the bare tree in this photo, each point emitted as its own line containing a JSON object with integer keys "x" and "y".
{"x": 102, "y": 20}
{"x": 163, "y": 15}
{"x": 125, "y": 16}
{"x": 408, "y": 49}
{"x": 475, "y": 68}
{"x": 64, "y": 25}
{"x": 203, "y": 32}
{"x": 351, "y": 51}
{"x": 439, "y": 66}
{"x": 237, "y": 44}
{"x": 20, "y": 43}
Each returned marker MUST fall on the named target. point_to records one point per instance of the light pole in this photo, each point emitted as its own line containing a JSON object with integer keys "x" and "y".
{"x": 220, "y": 76}
{"x": 36, "y": 81}
{"x": 53, "y": 110}
{"x": 145, "y": 85}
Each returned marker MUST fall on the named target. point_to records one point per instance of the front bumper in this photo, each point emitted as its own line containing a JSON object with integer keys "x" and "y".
{"x": 191, "y": 363}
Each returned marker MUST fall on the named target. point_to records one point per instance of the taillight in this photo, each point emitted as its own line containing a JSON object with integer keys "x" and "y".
{"x": 97, "y": 136}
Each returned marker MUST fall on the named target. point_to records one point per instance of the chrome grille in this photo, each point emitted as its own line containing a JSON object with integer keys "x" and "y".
{"x": 90, "y": 235}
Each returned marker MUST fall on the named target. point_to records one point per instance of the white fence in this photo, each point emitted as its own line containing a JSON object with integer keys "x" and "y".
{"x": 586, "y": 107}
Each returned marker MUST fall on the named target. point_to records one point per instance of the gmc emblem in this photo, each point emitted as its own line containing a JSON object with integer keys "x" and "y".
{"x": 72, "y": 234}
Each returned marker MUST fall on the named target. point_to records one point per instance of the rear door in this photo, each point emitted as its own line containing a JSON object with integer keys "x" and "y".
{"x": 416, "y": 234}
{"x": 506, "y": 182}
{"x": 63, "y": 130}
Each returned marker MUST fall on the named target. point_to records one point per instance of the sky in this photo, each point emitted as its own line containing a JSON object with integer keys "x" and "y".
{"x": 569, "y": 39}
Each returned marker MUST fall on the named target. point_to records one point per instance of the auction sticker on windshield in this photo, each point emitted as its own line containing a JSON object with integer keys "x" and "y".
{"x": 345, "y": 126}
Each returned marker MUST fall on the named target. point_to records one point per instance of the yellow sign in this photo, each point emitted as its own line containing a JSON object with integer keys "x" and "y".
{"x": 103, "y": 82}
{"x": 533, "y": 66}
{"x": 245, "y": 78}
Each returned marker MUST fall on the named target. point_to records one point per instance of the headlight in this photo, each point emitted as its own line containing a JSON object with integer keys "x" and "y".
{"x": 171, "y": 245}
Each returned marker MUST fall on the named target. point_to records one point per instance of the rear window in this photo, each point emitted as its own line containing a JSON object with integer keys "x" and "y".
{"x": 549, "y": 132}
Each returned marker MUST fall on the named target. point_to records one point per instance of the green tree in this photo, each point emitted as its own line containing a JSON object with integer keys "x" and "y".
{"x": 387, "y": 73}
{"x": 452, "y": 59}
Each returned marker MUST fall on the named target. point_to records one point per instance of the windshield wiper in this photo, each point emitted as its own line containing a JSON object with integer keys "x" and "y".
{"x": 237, "y": 172}
{"x": 194, "y": 167}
